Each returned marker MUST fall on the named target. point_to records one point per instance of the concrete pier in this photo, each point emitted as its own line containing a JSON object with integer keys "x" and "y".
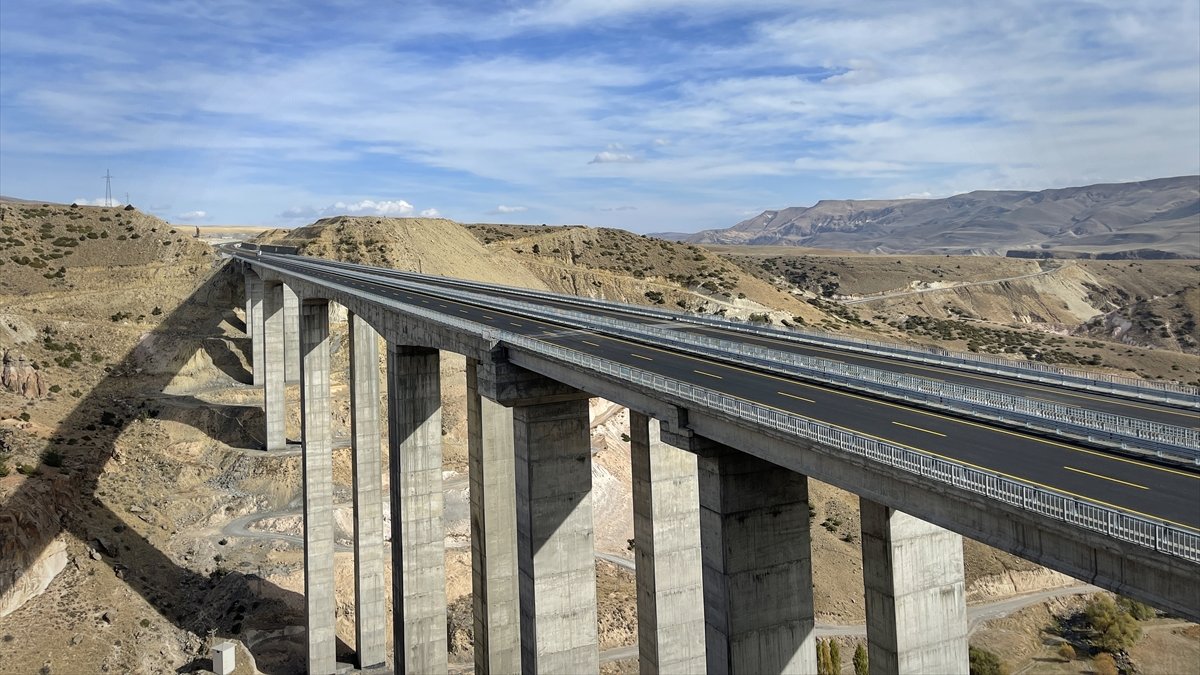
{"x": 418, "y": 536}
{"x": 666, "y": 543}
{"x": 491, "y": 460}
{"x": 370, "y": 588}
{"x": 758, "y": 597}
{"x": 318, "y": 487}
{"x": 272, "y": 330}
{"x": 915, "y": 597}
{"x": 291, "y": 334}
{"x": 554, "y": 537}
{"x": 254, "y": 299}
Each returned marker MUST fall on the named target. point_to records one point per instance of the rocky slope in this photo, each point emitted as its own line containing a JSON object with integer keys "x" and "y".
{"x": 126, "y": 474}
{"x": 1148, "y": 219}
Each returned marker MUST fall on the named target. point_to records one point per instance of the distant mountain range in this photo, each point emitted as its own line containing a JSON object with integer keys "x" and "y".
{"x": 1149, "y": 219}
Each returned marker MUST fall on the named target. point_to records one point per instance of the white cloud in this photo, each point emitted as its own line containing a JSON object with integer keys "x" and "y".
{"x": 393, "y": 208}
{"x": 99, "y": 201}
{"x": 431, "y": 213}
{"x": 509, "y": 209}
{"x": 369, "y": 207}
{"x": 192, "y": 215}
{"x": 607, "y": 157}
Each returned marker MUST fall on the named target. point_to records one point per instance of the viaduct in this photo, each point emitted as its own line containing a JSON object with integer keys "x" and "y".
{"x": 720, "y": 494}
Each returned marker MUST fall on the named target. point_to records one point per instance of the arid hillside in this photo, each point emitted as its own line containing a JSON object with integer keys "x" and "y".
{"x": 1128, "y": 316}
{"x": 1149, "y": 220}
{"x": 139, "y": 514}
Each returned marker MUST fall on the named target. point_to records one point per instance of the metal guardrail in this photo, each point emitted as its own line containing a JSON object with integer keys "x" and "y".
{"x": 1126, "y": 432}
{"x": 1156, "y": 535}
{"x": 1169, "y": 392}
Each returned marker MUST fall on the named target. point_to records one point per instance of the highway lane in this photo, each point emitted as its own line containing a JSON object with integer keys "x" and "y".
{"x": 1153, "y": 491}
{"x": 1091, "y": 400}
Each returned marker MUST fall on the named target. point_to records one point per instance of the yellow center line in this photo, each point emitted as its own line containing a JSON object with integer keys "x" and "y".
{"x": 1015, "y": 383}
{"x": 909, "y": 426}
{"x": 589, "y": 343}
{"x": 647, "y": 358}
{"x": 701, "y": 372}
{"x": 798, "y": 398}
{"x": 1115, "y": 480}
{"x": 1038, "y": 439}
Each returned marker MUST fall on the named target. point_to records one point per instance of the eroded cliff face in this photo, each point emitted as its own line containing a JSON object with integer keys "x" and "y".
{"x": 19, "y": 376}
{"x": 32, "y": 544}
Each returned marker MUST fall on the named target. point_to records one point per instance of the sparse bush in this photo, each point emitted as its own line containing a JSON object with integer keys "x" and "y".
{"x": 1066, "y": 652}
{"x": 1105, "y": 664}
{"x": 1138, "y": 610}
{"x": 984, "y": 662}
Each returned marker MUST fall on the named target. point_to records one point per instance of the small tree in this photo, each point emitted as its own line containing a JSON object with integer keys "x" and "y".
{"x": 1066, "y": 652}
{"x": 860, "y": 660}
{"x": 1115, "y": 628}
{"x": 822, "y": 658}
{"x": 835, "y": 658}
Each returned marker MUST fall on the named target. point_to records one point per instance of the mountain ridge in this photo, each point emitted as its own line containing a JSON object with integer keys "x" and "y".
{"x": 1152, "y": 218}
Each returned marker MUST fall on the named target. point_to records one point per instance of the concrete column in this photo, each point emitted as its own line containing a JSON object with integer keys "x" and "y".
{"x": 916, "y": 602}
{"x": 254, "y": 299}
{"x": 418, "y": 536}
{"x": 249, "y": 276}
{"x": 666, "y": 543}
{"x": 370, "y": 598}
{"x": 291, "y": 334}
{"x": 758, "y": 602}
{"x": 555, "y": 553}
{"x": 271, "y": 330}
{"x": 493, "y": 531}
{"x": 318, "y": 487}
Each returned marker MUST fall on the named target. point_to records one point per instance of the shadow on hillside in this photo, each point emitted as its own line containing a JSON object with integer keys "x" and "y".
{"x": 192, "y": 601}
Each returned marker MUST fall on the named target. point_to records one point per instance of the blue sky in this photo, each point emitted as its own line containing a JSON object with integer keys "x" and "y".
{"x": 651, "y": 115}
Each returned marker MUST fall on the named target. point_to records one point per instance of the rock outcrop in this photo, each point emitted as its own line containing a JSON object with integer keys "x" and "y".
{"x": 19, "y": 376}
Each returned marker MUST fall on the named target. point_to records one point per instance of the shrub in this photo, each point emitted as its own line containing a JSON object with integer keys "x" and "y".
{"x": 1105, "y": 664}
{"x": 4, "y": 470}
{"x": 1066, "y": 652}
{"x": 52, "y": 458}
{"x": 1138, "y": 610}
{"x": 983, "y": 662}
